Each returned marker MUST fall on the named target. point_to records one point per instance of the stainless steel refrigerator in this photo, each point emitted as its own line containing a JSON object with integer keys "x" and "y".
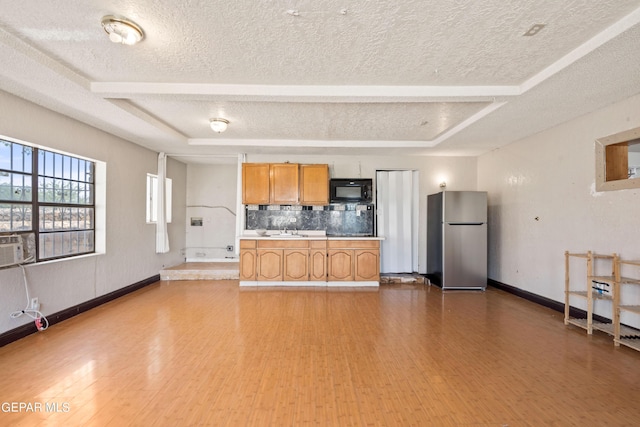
{"x": 457, "y": 239}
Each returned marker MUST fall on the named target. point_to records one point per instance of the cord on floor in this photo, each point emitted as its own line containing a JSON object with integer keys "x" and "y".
{"x": 41, "y": 321}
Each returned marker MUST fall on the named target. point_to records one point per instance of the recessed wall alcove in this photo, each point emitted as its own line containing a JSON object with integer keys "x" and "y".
{"x": 618, "y": 161}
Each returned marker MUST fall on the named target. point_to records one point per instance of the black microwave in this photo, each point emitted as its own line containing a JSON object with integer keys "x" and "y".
{"x": 345, "y": 190}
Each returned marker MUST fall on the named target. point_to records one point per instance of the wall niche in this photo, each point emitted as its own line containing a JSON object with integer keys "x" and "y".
{"x": 618, "y": 161}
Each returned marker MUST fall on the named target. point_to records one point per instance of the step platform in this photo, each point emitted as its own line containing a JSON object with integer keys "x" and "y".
{"x": 202, "y": 271}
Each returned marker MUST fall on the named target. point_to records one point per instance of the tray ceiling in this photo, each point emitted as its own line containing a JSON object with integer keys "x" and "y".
{"x": 426, "y": 78}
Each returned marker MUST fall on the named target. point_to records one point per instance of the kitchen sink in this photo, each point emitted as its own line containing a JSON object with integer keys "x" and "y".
{"x": 287, "y": 236}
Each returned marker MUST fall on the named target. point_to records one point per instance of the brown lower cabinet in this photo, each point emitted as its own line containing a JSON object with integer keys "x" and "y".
{"x": 269, "y": 264}
{"x": 274, "y": 260}
{"x": 340, "y": 264}
{"x": 353, "y": 260}
{"x": 248, "y": 260}
{"x": 318, "y": 260}
{"x": 295, "y": 264}
{"x": 309, "y": 260}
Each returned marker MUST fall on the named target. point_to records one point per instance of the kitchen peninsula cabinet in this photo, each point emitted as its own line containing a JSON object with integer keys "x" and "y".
{"x": 312, "y": 261}
{"x": 296, "y": 264}
{"x": 285, "y": 184}
{"x": 282, "y": 260}
{"x": 248, "y": 259}
{"x": 353, "y": 260}
{"x": 318, "y": 260}
{"x": 269, "y": 264}
{"x": 367, "y": 264}
{"x": 340, "y": 264}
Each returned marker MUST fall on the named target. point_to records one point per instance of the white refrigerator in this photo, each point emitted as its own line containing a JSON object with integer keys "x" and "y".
{"x": 457, "y": 239}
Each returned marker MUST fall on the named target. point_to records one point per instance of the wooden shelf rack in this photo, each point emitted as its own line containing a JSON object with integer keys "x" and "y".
{"x": 605, "y": 288}
{"x": 590, "y": 292}
{"x": 623, "y": 335}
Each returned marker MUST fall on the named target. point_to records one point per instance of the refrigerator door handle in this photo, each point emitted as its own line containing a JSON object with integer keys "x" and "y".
{"x": 464, "y": 223}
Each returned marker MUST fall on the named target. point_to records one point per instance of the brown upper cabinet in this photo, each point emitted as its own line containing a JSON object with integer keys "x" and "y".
{"x": 314, "y": 184}
{"x": 285, "y": 184}
{"x": 255, "y": 183}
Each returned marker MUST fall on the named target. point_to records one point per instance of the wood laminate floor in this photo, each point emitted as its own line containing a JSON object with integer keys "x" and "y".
{"x": 209, "y": 353}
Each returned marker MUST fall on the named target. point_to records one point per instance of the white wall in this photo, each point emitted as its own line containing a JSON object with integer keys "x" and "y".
{"x": 460, "y": 173}
{"x": 130, "y": 243}
{"x": 212, "y": 186}
{"x": 542, "y": 201}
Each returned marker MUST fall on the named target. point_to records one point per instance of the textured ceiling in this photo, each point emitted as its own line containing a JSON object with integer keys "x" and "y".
{"x": 447, "y": 77}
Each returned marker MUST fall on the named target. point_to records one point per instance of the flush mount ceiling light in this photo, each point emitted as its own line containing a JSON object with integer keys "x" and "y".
{"x": 219, "y": 125}
{"x": 122, "y": 30}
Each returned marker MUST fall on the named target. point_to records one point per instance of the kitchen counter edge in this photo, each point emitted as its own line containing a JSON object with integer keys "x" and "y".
{"x": 310, "y": 238}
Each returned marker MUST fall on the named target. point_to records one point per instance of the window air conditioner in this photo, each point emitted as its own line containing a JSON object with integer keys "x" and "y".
{"x": 11, "y": 254}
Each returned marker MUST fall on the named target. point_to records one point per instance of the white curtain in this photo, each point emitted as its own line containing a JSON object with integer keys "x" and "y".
{"x": 397, "y": 206}
{"x": 162, "y": 236}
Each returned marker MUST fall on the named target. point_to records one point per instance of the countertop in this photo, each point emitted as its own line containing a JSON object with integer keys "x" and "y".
{"x": 304, "y": 235}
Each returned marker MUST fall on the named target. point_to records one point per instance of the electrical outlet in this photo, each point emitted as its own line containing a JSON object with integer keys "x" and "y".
{"x": 35, "y": 304}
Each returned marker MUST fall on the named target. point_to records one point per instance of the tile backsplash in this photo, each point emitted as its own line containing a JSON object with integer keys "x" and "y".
{"x": 335, "y": 219}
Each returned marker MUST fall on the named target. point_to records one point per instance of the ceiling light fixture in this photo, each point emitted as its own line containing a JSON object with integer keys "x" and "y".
{"x": 122, "y": 30}
{"x": 219, "y": 125}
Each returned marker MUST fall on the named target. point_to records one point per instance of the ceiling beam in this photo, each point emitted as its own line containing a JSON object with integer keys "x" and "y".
{"x": 305, "y": 93}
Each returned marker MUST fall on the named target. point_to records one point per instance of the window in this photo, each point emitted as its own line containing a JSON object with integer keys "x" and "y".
{"x": 61, "y": 212}
{"x": 152, "y": 194}
{"x": 16, "y": 208}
